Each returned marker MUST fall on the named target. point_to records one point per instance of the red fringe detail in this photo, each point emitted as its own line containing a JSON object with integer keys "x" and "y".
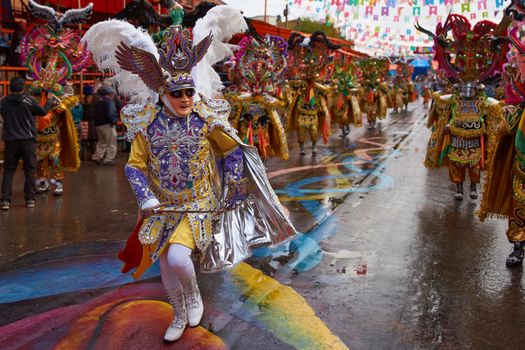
{"x": 250, "y": 133}
{"x": 262, "y": 143}
{"x": 326, "y": 131}
{"x": 131, "y": 255}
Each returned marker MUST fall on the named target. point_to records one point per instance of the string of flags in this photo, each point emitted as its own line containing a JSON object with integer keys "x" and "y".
{"x": 387, "y": 26}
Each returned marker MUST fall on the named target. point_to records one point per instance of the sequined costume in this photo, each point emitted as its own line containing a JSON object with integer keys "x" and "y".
{"x": 52, "y": 54}
{"x": 175, "y": 161}
{"x": 463, "y": 122}
{"x": 346, "y": 108}
{"x": 375, "y": 98}
{"x": 211, "y": 186}
{"x": 307, "y": 99}
{"x": 459, "y": 134}
{"x": 504, "y": 185}
{"x": 57, "y": 146}
{"x": 258, "y": 77}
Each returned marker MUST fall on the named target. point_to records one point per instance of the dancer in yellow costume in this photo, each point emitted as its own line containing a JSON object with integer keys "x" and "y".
{"x": 257, "y": 73}
{"x": 375, "y": 98}
{"x": 57, "y": 146}
{"x": 307, "y": 98}
{"x": 504, "y": 186}
{"x": 462, "y": 123}
{"x": 346, "y": 107}
{"x": 198, "y": 186}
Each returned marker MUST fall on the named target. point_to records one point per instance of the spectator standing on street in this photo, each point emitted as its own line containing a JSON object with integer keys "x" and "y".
{"x": 88, "y": 105}
{"x": 105, "y": 115}
{"x": 13, "y": 58}
{"x": 18, "y": 113}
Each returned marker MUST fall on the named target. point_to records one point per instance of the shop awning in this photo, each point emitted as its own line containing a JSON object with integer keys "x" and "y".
{"x": 352, "y": 53}
{"x": 266, "y": 28}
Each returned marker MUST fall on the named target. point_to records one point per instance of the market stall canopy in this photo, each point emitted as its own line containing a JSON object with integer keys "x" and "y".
{"x": 421, "y": 66}
{"x": 267, "y": 28}
{"x": 420, "y": 62}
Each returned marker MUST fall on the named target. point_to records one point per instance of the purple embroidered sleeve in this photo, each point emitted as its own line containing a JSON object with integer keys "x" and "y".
{"x": 234, "y": 178}
{"x": 234, "y": 166}
{"x": 139, "y": 183}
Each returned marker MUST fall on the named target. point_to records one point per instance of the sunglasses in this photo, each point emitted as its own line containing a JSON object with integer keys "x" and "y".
{"x": 179, "y": 93}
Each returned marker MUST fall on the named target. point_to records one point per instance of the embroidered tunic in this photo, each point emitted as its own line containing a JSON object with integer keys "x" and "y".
{"x": 196, "y": 168}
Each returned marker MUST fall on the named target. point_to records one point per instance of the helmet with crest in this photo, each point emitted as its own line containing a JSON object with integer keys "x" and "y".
{"x": 259, "y": 64}
{"x": 182, "y": 59}
{"x": 177, "y": 57}
{"x": 469, "y": 53}
{"x": 309, "y": 56}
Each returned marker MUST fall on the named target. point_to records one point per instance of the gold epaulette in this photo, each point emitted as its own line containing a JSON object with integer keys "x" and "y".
{"x": 68, "y": 103}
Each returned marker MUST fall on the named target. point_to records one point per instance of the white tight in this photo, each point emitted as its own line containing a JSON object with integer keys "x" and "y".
{"x": 176, "y": 264}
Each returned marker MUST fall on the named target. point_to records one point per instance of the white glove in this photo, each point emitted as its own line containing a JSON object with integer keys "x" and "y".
{"x": 150, "y": 203}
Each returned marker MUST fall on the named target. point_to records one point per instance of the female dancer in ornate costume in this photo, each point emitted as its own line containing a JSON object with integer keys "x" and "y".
{"x": 463, "y": 122}
{"x": 198, "y": 186}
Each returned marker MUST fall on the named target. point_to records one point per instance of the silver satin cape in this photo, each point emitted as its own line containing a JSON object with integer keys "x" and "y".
{"x": 259, "y": 221}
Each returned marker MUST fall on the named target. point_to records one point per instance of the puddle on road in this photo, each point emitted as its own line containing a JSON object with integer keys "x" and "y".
{"x": 344, "y": 254}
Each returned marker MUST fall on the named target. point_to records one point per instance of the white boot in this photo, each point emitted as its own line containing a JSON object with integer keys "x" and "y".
{"x": 180, "y": 318}
{"x": 59, "y": 188}
{"x": 194, "y": 305}
{"x": 42, "y": 185}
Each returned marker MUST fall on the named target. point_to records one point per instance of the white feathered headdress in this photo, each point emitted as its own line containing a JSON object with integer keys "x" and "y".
{"x": 141, "y": 70}
{"x": 223, "y": 22}
{"x": 103, "y": 39}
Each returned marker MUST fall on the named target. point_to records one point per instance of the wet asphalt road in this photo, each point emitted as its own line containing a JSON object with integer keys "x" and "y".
{"x": 388, "y": 259}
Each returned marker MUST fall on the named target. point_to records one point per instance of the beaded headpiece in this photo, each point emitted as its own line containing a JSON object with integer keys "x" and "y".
{"x": 52, "y": 53}
{"x": 259, "y": 64}
{"x": 374, "y": 70}
{"x": 177, "y": 57}
{"x": 347, "y": 78}
{"x": 466, "y": 53}
{"x": 308, "y": 56}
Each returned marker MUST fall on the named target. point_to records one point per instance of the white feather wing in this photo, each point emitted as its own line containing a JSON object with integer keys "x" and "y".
{"x": 223, "y": 21}
{"x": 103, "y": 39}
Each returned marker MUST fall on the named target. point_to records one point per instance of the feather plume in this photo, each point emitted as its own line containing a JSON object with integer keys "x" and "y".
{"x": 46, "y": 13}
{"x": 103, "y": 39}
{"x": 76, "y": 16}
{"x": 223, "y": 22}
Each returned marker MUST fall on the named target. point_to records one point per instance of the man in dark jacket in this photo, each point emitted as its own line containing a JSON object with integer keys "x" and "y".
{"x": 18, "y": 120}
{"x": 105, "y": 115}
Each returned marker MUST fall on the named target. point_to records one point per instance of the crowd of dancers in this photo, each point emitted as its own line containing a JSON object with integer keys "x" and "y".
{"x": 186, "y": 129}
